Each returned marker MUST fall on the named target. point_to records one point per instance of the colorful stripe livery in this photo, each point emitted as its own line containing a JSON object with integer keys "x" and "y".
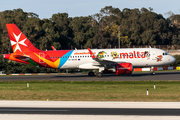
{"x": 25, "y": 52}
{"x": 65, "y": 58}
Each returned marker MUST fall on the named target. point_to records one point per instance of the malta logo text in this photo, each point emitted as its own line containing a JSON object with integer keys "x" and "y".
{"x": 133, "y": 54}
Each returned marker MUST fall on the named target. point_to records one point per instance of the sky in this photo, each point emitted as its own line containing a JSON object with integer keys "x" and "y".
{"x": 77, "y": 8}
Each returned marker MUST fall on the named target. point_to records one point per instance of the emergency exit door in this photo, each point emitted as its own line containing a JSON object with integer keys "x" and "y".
{"x": 41, "y": 58}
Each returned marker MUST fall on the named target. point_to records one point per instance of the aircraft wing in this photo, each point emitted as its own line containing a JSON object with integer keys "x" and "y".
{"x": 104, "y": 61}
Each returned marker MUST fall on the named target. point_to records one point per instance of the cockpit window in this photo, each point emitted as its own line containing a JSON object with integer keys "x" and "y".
{"x": 165, "y": 53}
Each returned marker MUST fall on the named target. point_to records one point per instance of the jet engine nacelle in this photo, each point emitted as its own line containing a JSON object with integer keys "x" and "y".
{"x": 120, "y": 69}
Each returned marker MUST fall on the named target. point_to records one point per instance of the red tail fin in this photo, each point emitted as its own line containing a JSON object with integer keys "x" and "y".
{"x": 19, "y": 42}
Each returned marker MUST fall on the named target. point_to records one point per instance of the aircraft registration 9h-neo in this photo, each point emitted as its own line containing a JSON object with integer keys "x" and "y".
{"x": 117, "y": 61}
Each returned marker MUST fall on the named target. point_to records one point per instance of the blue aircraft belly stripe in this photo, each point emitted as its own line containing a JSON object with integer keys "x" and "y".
{"x": 64, "y": 58}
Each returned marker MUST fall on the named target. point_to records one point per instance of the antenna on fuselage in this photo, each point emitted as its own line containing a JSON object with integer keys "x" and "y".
{"x": 75, "y": 48}
{"x": 149, "y": 46}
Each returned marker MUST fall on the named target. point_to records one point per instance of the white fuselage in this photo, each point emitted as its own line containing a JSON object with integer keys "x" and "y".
{"x": 138, "y": 57}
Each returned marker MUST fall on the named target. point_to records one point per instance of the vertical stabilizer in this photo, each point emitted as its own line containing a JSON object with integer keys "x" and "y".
{"x": 19, "y": 42}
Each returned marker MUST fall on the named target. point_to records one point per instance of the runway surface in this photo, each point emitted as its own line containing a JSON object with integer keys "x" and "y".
{"x": 88, "y": 110}
{"x": 91, "y": 111}
{"x": 175, "y": 75}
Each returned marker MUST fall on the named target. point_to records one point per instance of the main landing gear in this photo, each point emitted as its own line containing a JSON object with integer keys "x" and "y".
{"x": 91, "y": 73}
{"x": 99, "y": 74}
{"x": 152, "y": 71}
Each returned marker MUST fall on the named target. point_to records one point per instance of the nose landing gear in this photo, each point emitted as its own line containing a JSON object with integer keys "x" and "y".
{"x": 152, "y": 71}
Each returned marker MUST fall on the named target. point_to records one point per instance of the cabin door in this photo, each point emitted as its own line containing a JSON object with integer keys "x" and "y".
{"x": 153, "y": 55}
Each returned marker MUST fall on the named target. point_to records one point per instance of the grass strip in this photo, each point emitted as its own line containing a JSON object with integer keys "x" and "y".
{"x": 90, "y": 91}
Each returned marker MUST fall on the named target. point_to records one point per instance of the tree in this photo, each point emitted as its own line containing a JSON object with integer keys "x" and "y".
{"x": 148, "y": 38}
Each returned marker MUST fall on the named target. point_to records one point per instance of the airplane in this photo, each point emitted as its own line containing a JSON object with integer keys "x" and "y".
{"x": 117, "y": 61}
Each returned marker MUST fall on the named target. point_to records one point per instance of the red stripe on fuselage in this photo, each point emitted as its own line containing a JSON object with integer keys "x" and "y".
{"x": 55, "y": 55}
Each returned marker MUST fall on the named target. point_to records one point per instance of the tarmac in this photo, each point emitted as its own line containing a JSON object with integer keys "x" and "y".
{"x": 173, "y": 75}
{"x": 88, "y": 110}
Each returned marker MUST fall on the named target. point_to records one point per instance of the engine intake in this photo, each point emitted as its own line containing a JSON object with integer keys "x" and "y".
{"x": 120, "y": 69}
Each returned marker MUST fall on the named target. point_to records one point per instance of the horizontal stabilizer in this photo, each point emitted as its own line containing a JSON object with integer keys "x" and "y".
{"x": 22, "y": 57}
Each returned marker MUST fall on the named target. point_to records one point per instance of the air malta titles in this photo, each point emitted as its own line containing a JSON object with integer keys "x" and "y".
{"x": 131, "y": 55}
{"x": 83, "y": 53}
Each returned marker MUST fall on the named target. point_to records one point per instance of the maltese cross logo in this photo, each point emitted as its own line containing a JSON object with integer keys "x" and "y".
{"x": 17, "y": 43}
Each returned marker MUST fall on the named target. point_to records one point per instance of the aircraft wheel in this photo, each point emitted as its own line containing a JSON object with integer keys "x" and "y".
{"x": 91, "y": 74}
{"x": 153, "y": 73}
{"x": 99, "y": 74}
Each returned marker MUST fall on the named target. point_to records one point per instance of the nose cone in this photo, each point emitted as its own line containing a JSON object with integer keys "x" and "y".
{"x": 172, "y": 59}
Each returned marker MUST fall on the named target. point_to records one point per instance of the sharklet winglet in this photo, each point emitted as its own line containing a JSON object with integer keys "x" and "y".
{"x": 91, "y": 53}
